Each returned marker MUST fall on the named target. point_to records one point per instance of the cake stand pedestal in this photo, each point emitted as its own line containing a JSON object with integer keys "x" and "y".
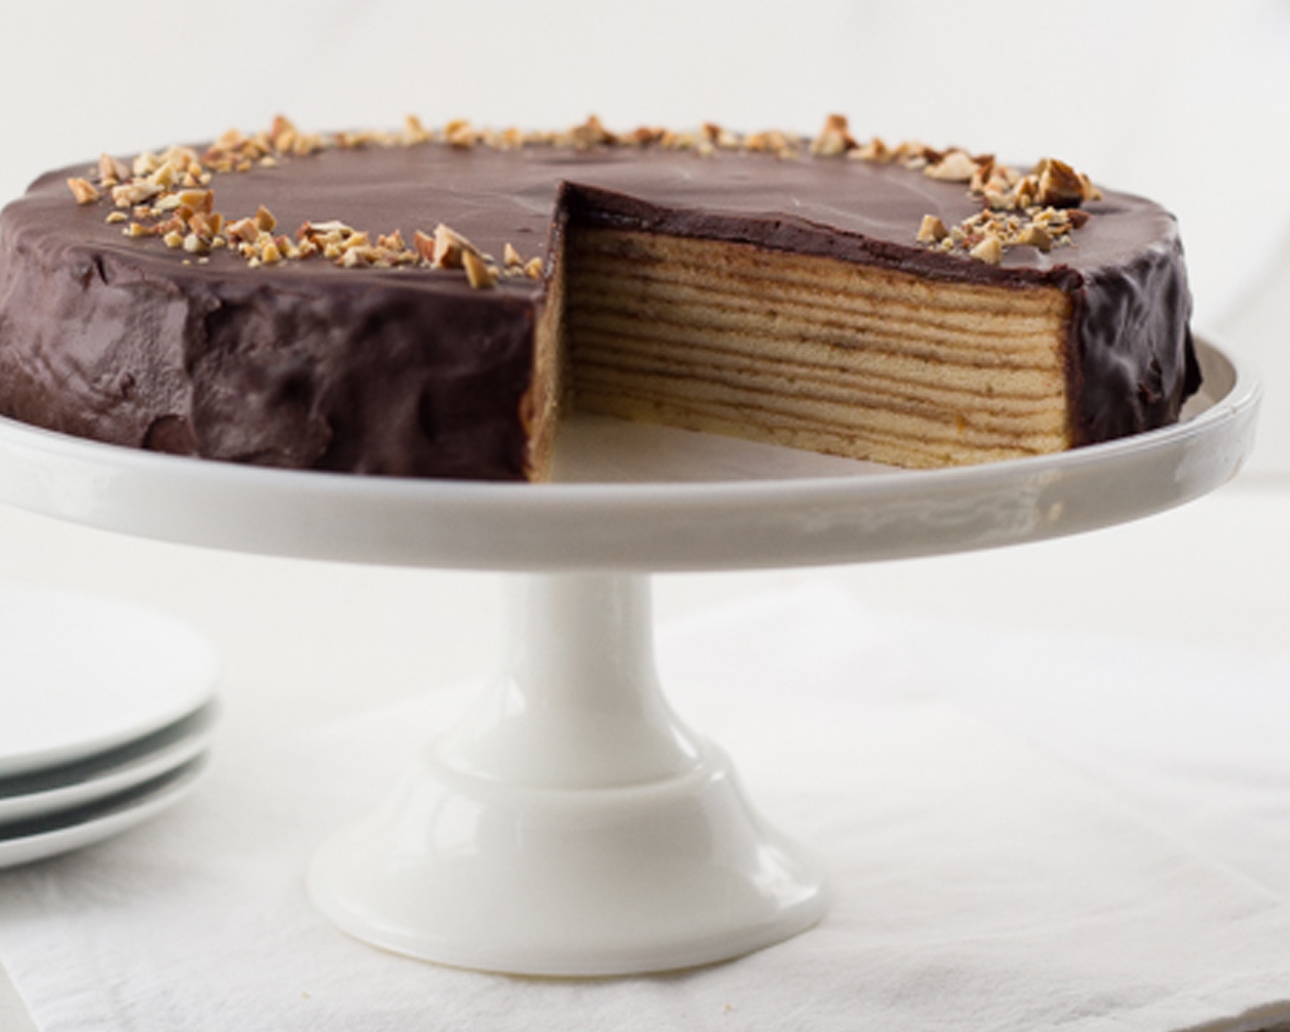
{"x": 571, "y": 824}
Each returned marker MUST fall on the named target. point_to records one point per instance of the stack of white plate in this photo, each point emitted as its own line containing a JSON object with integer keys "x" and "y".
{"x": 106, "y": 713}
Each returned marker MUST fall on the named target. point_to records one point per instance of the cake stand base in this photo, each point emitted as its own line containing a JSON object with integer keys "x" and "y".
{"x": 571, "y": 826}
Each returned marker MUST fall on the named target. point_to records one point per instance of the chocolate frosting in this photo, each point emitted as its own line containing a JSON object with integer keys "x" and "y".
{"x": 413, "y": 372}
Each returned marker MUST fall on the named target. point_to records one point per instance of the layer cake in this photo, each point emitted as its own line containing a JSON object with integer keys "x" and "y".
{"x": 428, "y": 303}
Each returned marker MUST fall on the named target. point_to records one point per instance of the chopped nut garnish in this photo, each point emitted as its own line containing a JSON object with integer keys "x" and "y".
{"x": 414, "y": 131}
{"x": 145, "y": 164}
{"x": 169, "y": 194}
{"x": 989, "y": 250}
{"x": 460, "y": 134}
{"x": 591, "y": 134}
{"x": 129, "y": 194}
{"x": 83, "y": 190}
{"x": 112, "y": 171}
{"x": 480, "y": 274}
{"x": 954, "y": 167}
{"x": 1036, "y": 236}
{"x": 874, "y": 150}
{"x": 424, "y": 245}
{"x": 834, "y": 138}
{"x": 450, "y": 248}
{"x": 198, "y": 200}
{"x": 932, "y": 230}
{"x": 243, "y": 229}
{"x": 1059, "y": 184}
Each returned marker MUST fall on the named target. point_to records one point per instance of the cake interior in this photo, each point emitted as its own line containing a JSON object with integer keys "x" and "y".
{"x": 805, "y": 351}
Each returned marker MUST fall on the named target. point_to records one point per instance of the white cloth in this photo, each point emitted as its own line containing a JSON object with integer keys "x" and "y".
{"x": 1081, "y": 861}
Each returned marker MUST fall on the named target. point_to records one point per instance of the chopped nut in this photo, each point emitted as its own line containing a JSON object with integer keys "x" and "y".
{"x": 533, "y": 268}
{"x": 1091, "y": 192}
{"x": 1037, "y": 237}
{"x": 164, "y": 176}
{"x": 833, "y": 139}
{"x": 1026, "y": 191}
{"x": 83, "y": 190}
{"x": 591, "y": 134}
{"x": 478, "y": 272}
{"x": 129, "y": 194}
{"x": 199, "y": 200}
{"x": 353, "y": 240}
{"x": 678, "y": 141}
{"x": 414, "y": 131}
{"x": 875, "y": 150}
{"x": 459, "y": 133}
{"x": 954, "y": 167}
{"x": 265, "y": 220}
{"x": 1000, "y": 200}
{"x": 282, "y": 133}
{"x": 718, "y": 137}
{"x": 450, "y": 247}
{"x": 1059, "y": 184}
{"x": 145, "y": 164}
{"x": 353, "y": 257}
{"x": 932, "y": 230}
{"x": 116, "y": 216}
{"x": 645, "y": 136}
{"x": 174, "y": 239}
{"x": 511, "y": 256}
{"x": 423, "y": 245}
{"x": 112, "y": 171}
{"x": 244, "y": 230}
{"x": 989, "y": 250}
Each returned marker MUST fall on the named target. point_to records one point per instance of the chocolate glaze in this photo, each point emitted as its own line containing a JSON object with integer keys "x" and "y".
{"x": 412, "y": 372}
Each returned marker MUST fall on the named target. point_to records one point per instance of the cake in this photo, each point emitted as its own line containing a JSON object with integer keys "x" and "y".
{"x": 427, "y": 303}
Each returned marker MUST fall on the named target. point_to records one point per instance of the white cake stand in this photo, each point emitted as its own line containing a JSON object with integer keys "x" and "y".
{"x": 572, "y": 825}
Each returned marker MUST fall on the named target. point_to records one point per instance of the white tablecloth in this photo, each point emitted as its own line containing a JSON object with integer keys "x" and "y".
{"x": 1026, "y": 831}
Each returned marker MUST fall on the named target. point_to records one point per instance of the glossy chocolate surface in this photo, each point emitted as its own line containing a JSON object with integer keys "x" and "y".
{"x": 412, "y": 372}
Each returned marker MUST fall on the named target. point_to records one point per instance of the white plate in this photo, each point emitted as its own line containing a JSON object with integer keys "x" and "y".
{"x": 677, "y": 500}
{"x": 56, "y": 789}
{"x": 42, "y": 837}
{"x": 84, "y": 675}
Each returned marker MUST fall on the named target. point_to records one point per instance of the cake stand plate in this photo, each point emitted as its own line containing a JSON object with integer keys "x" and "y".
{"x": 572, "y": 825}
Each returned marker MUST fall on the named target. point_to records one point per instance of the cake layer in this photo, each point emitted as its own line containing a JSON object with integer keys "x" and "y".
{"x": 788, "y": 298}
{"x": 811, "y": 352}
